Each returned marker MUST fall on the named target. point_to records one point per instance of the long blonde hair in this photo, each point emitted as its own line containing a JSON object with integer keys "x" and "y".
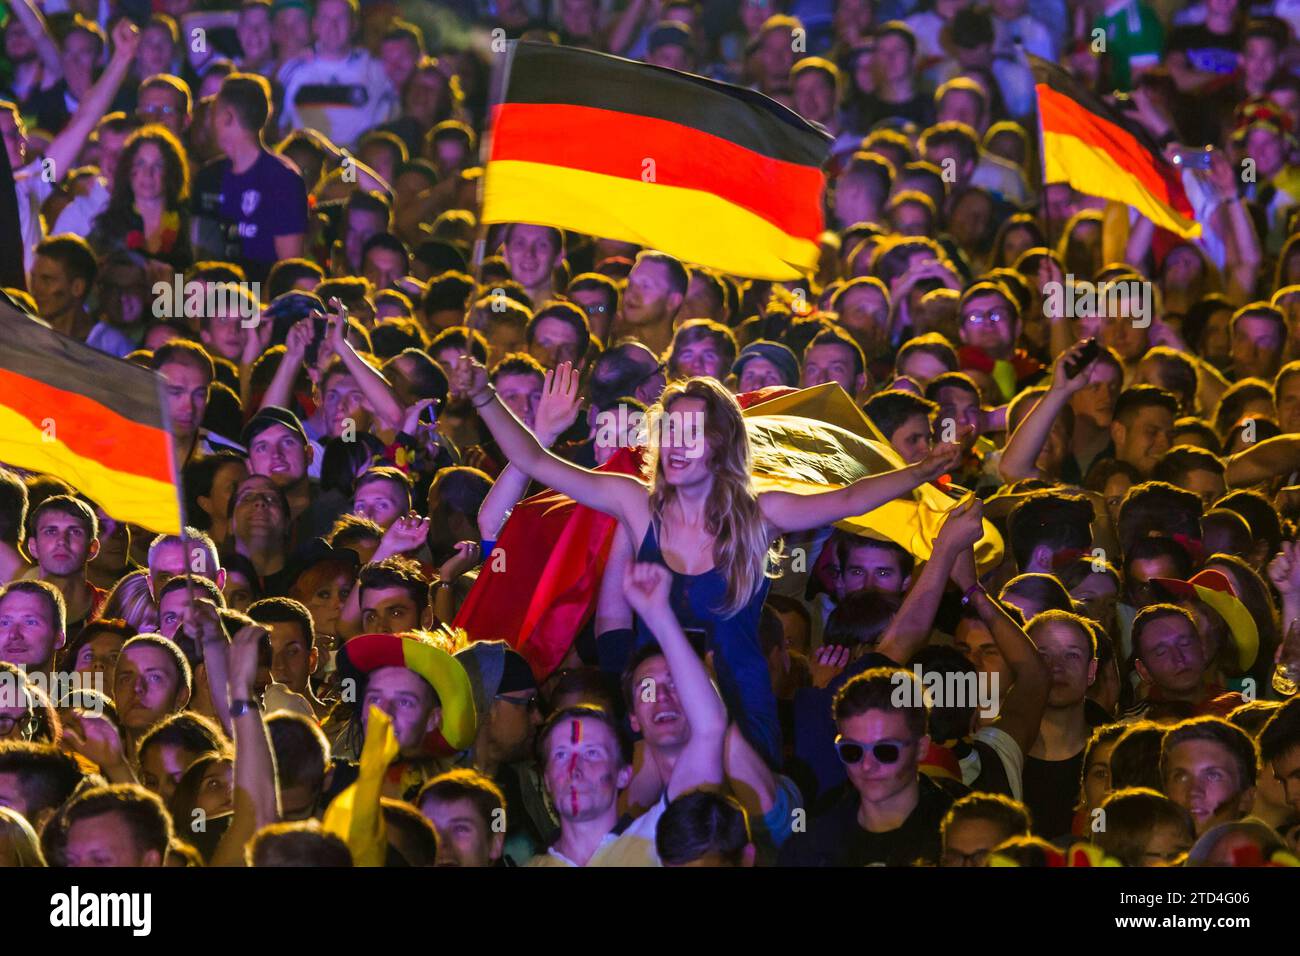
{"x": 743, "y": 550}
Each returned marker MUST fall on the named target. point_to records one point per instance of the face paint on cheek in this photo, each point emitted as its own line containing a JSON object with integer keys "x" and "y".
{"x": 575, "y": 738}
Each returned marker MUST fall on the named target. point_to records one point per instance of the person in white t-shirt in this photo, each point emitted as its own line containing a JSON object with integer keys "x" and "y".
{"x": 34, "y": 179}
{"x": 338, "y": 88}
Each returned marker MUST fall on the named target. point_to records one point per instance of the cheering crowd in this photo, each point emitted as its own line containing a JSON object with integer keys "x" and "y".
{"x": 274, "y": 205}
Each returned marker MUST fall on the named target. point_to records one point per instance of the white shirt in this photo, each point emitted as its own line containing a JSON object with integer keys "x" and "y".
{"x": 373, "y": 101}
{"x": 78, "y": 216}
{"x": 32, "y": 191}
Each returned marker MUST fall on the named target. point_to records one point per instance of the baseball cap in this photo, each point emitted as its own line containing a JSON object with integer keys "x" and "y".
{"x": 495, "y": 668}
{"x": 268, "y": 416}
{"x": 774, "y": 352}
{"x": 667, "y": 33}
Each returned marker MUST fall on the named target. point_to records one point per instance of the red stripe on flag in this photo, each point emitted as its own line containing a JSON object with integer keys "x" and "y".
{"x": 786, "y": 194}
{"x": 1066, "y": 117}
{"x": 89, "y": 429}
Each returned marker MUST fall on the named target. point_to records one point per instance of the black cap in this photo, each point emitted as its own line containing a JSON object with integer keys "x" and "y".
{"x": 268, "y": 416}
{"x": 668, "y": 33}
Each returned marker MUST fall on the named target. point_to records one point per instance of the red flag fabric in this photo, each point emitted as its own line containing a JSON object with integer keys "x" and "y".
{"x": 539, "y": 586}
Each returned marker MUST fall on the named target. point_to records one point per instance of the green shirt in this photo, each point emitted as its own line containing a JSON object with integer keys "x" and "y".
{"x": 1134, "y": 39}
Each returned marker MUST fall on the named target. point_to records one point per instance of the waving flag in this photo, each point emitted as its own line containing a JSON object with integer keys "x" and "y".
{"x": 1098, "y": 151}
{"x": 93, "y": 420}
{"x": 714, "y": 174}
{"x": 804, "y": 441}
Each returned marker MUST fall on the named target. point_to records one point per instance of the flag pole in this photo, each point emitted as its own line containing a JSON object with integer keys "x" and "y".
{"x": 497, "y": 84}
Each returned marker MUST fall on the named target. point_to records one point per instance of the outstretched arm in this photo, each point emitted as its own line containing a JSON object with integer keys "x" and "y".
{"x": 556, "y": 412}
{"x": 787, "y": 511}
{"x": 51, "y": 61}
{"x": 1019, "y": 459}
{"x": 618, "y": 495}
{"x": 910, "y": 629}
{"x": 65, "y": 147}
{"x": 647, "y": 587}
{"x": 257, "y": 802}
{"x": 1022, "y": 708}
{"x": 378, "y": 392}
{"x": 1264, "y": 461}
{"x": 280, "y": 391}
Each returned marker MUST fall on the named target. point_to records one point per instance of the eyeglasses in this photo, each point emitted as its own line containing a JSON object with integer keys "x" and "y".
{"x": 156, "y": 110}
{"x": 851, "y": 752}
{"x": 528, "y": 703}
{"x": 8, "y": 723}
{"x": 659, "y": 369}
{"x": 991, "y": 317}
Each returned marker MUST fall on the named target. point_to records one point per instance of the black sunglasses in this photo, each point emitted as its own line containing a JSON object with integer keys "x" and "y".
{"x": 851, "y": 752}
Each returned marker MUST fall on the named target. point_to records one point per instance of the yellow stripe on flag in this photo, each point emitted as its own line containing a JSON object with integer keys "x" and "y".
{"x": 694, "y": 226}
{"x": 1091, "y": 170}
{"x": 355, "y": 815}
{"x": 135, "y": 499}
{"x": 816, "y": 437}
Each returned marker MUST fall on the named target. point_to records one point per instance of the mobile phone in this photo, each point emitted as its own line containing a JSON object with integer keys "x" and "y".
{"x": 1073, "y": 366}
{"x": 1190, "y": 158}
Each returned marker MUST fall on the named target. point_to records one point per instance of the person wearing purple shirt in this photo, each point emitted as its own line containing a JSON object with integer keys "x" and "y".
{"x": 250, "y": 205}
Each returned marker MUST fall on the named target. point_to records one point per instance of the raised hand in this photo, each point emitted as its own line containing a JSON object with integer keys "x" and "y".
{"x": 96, "y": 738}
{"x": 558, "y": 408}
{"x": 827, "y": 663}
{"x": 408, "y": 533}
{"x": 1061, "y": 380}
{"x": 468, "y": 377}
{"x": 411, "y": 417}
{"x": 943, "y": 458}
{"x": 126, "y": 39}
{"x": 244, "y": 660}
{"x": 647, "y": 587}
{"x": 202, "y": 623}
{"x": 336, "y": 327}
{"x": 466, "y": 556}
{"x": 1284, "y": 570}
{"x": 964, "y": 525}
{"x": 299, "y": 340}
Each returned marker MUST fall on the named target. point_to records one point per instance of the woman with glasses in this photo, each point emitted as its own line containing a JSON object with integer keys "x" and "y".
{"x": 148, "y": 211}
{"x": 698, "y": 513}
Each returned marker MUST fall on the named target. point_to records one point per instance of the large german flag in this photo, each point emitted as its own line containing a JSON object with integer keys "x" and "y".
{"x": 1098, "y": 151}
{"x": 713, "y": 174}
{"x": 93, "y": 420}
